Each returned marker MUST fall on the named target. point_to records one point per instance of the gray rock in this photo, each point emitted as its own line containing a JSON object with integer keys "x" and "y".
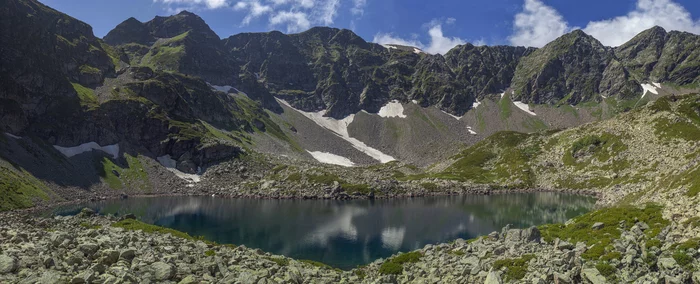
{"x": 109, "y": 257}
{"x": 8, "y": 264}
{"x": 127, "y": 254}
{"x": 667, "y": 263}
{"x": 163, "y": 271}
{"x": 493, "y": 278}
{"x": 88, "y": 248}
{"x": 562, "y": 245}
{"x": 190, "y": 279}
{"x": 593, "y": 276}
{"x": 597, "y": 226}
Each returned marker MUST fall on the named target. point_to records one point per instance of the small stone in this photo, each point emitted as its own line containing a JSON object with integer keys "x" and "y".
{"x": 109, "y": 257}
{"x": 562, "y": 245}
{"x": 88, "y": 248}
{"x": 598, "y": 226}
{"x": 7, "y": 264}
{"x": 163, "y": 271}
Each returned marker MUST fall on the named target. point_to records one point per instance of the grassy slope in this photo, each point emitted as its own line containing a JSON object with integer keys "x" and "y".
{"x": 643, "y": 147}
{"x": 19, "y": 189}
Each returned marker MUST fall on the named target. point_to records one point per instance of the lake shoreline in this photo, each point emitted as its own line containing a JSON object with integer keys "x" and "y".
{"x": 472, "y": 191}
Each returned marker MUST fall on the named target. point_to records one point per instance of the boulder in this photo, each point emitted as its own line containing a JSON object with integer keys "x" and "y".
{"x": 667, "y": 263}
{"x": 8, "y": 264}
{"x": 593, "y": 276}
{"x": 493, "y": 278}
{"x": 598, "y": 226}
{"x": 163, "y": 271}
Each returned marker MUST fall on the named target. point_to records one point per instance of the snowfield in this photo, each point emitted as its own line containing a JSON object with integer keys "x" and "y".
{"x": 452, "y": 115}
{"x": 224, "y": 89}
{"x": 392, "y": 109}
{"x": 523, "y": 106}
{"x": 170, "y": 164}
{"x": 340, "y": 128}
{"x": 650, "y": 88}
{"x": 87, "y": 147}
{"x": 333, "y": 159}
{"x": 476, "y": 104}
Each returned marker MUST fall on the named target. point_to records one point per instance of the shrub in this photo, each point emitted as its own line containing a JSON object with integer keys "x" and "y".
{"x": 210, "y": 253}
{"x": 605, "y": 269}
{"x": 515, "y": 268}
{"x": 682, "y": 258}
{"x": 390, "y": 268}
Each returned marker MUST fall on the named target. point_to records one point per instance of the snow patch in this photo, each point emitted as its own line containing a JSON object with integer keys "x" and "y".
{"x": 340, "y": 128}
{"x": 417, "y": 51}
{"x": 390, "y": 47}
{"x": 12, "y": 135}
{"x": 452, "y": 115}
{"x": 476, "y": 103}
{"x": 469, "y": 128}
{"x": 503, "y": 94}
{"x": 658, "y": 85}
{"x": 392, "y": 109}
{"x": 224, "y": 89}
{"x": 170, "y": 164}
{"x": 523, "y": 106}
{"x": 648, "y": 88}
{"x": 414, "y": 102}
{"x": 333, "y": 159}
{"x": 87, "y": 147}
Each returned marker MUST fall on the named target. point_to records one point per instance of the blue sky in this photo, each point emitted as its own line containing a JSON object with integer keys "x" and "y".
{"x": 435, "y": 26}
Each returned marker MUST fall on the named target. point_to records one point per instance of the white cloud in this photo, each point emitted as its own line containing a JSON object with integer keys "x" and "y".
{"x": 255, "y": 8}
{"x": 648, "y": 13}
{"x": 358, "y": 7}
{"x": 209, "y": 4}
{"x": 294, "y": 15}
{"x": 295, "y": 21}
{"x": 538, "y": 24}
{"x": 439, "y": 43}
{"x": 450, "y": 21}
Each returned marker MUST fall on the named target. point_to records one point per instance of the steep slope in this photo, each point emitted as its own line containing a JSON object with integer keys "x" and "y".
{"x": 572, "y": 69}
{"x": 662, "y": 57}
{"x": 45, "y": 54}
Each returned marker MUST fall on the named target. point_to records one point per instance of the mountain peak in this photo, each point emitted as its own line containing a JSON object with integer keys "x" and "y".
{"x": 186, "y": 13}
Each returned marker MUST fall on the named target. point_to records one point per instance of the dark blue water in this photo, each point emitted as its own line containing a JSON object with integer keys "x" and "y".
{"x": 345, "y": 234}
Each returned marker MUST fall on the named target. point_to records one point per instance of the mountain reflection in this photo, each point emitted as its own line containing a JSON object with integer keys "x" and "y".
{"x": 346, "y": 233}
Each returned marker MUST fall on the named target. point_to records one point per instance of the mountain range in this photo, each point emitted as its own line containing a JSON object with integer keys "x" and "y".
{"x": 170, "y": 93}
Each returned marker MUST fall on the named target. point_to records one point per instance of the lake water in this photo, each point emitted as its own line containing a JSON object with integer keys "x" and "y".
{"x": 345, "y": 234}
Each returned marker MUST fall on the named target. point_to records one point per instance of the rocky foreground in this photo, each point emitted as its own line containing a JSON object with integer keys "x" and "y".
{"x": 102, "y": 249}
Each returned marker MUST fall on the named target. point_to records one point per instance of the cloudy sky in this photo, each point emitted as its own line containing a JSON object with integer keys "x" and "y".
{"x": 435, "y": 26}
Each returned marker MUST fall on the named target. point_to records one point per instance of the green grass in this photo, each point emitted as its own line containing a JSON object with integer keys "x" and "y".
{"x": 316, "y": 264}
{"x": 601, "y": 240}
{"x": 516, "y": 268}
{"x": 324, "y": 178}
{"x": 210, "y": 253}
{"x": 682, "y": 258}
{"x": 87, "y": 225}
{"x": 356, "y": 188}
{"x": 19, "y": 189}
{"x": 294, "y": 177}
{"x": 680, "y": 129}
{"x": 395, "y": 264}
{"x": 133, "y": 175}
{"x": 429, "y": 186}
{"x": 87, "y": 69}
{"x": 605, "y": 269}
{"x": 87, "y": 96}
{"x": 390, "y": 268}
{"x": 135, "y": 225}
{"x": 505, "y": 105}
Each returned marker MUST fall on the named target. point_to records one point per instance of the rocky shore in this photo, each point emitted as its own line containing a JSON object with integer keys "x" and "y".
{"x": 102, "y": 249}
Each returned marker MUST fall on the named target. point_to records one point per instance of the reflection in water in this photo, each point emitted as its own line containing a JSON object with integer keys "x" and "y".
{"x": 345, "y": 234}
